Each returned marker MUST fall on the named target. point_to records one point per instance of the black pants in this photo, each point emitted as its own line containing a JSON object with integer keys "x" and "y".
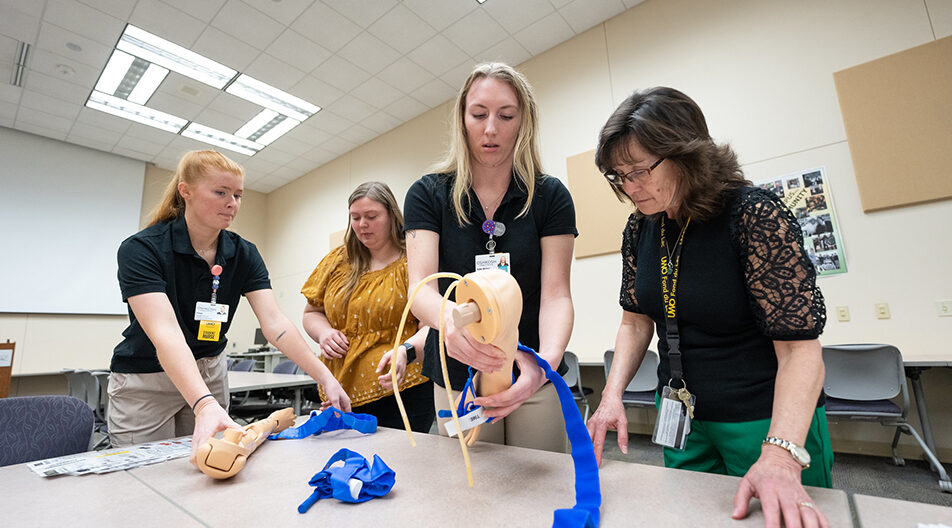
{"x": 418, "y": 402}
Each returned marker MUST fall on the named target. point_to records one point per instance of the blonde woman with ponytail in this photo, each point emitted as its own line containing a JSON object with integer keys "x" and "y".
{"x": 183, "y": 277}
{"x": 355, "y": 298}
{"x": 488, "y": 199}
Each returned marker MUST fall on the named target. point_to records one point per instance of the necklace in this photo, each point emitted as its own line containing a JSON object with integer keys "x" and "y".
{"x": 672, "y": 251}
{"x": 494, "y": 203}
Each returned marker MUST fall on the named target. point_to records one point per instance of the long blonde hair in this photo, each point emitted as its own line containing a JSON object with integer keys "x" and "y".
{"x": 527, "y": 163}
{"x": 357, "y": 253}
{"x": 193, "y": 166}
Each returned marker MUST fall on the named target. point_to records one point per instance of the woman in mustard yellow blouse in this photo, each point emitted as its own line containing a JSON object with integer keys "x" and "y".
{"x": 356, "y": 297}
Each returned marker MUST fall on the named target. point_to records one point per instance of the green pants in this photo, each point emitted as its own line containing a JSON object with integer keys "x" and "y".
{"x": 731, "y": 448}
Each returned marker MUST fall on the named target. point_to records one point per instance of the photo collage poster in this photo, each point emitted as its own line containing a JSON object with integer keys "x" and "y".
{"x": 806, "y": 194}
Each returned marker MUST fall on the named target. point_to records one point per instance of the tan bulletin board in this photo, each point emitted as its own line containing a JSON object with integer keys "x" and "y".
{"x": 598, "y": 213}
{"x": 897, "y": 111}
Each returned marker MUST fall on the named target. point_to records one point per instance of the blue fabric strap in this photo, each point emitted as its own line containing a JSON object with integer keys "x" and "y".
{"x": 377, "y": 479}
{"x": 588, "y": 495}
{"x": 330, "y": 419}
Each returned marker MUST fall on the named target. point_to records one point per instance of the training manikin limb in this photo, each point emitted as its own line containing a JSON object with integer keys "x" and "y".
{"x": 223, "y": 458}
{"x": 489, "y": 306}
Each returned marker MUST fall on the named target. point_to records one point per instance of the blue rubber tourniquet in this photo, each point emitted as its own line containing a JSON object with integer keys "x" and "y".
{"x": 330, "y": 419}
{"x": 377, "y": 479}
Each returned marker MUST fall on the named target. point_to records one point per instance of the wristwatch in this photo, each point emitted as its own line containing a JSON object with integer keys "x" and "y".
{"x": 799, "y": 453}
{"x": 411, "y": 352}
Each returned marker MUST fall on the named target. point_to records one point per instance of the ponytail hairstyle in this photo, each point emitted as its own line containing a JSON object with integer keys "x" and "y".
{"x": 357, "y": 253}
{"x": 192, "y": 167}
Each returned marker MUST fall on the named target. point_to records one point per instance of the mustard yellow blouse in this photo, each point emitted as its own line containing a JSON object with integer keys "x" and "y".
{"x": 369, "y": 320}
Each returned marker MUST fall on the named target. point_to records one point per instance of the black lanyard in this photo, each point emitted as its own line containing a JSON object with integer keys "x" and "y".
{"x": 670, "y": 261}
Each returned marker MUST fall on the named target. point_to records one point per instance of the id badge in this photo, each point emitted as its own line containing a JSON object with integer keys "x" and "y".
{"x": 209, "y": 330}
{"x": 205, "y": 311}
{"x": 466, "y": 422}
{"x": 673, "y": 424}
{"x": 500, "y": 261}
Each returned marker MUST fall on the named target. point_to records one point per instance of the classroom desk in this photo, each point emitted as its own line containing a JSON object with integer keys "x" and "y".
{"x": 513, "y": 487}
{"x": 248, "y": 381}
{"x": 879, "y": 512}
{"x": 915, "y": 364}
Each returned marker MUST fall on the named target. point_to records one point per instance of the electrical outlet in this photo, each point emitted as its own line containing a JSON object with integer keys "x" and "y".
{"x": 843, "y": 314}
{"x": 943, "y": 308}
{"x": 882, "y": 310}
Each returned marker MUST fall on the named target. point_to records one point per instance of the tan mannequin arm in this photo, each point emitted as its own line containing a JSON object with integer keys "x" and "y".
{"x": 223, "y": 458}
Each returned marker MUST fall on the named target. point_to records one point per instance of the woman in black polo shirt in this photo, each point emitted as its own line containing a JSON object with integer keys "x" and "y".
{"x": 487, "y": 201}
{"x": 183, "y": 277}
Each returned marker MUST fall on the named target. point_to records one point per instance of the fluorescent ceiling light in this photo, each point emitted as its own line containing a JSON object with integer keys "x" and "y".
{"x": 268, "y": 96}
{"x": 159, "y": 51}
{"x": 114, "y": 72}
{"x": 136, "y": 112}
{"x": 277, "y": 131}
{"x": 148, "y": 84}
{"x": 221, "y": 139}
{"x": 263, "y": 118}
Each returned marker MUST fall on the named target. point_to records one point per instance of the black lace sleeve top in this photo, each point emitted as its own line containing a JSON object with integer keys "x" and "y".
{"x": 744, "y": 282}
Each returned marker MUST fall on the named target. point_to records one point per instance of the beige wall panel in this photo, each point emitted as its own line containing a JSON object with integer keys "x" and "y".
{"x": 761, "y": 71}
{"x": 55, "y": 342}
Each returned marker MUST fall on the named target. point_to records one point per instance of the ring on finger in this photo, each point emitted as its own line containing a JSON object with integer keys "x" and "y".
{"x": 806, "y": 504}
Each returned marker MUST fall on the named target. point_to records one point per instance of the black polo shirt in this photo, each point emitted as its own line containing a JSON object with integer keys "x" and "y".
{"x": 429, "y": 206}
{"x": 160, "y": 258}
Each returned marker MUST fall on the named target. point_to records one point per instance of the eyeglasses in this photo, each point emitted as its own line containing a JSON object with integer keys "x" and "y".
{"x": 636, "y": 175}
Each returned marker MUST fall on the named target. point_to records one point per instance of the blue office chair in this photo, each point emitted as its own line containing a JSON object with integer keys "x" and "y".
{"x": 640, "y": 391}
{"x": 39, "y": 427}
{"x": 861, "y": 381}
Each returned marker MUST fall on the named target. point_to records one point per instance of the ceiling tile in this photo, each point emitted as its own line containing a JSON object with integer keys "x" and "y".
{"x": 103, "y": 120}
{"x": 508, "y": 51}
{"x": 240, "y": 20}
{"x": 225, "y": 49}
{"x": 290, "y": 145}
{"x": 401, "y": 29}
{"x": 326, "y": 26}
{"x": 8, "y": 111}
{"x": 434, "y": 93}
{"x": 358, "y": 134}
{"x": 54, "y": 39}
{"x": 30, "y": 8}
{"x": 513, "y": 16}
{"x": 381, "y": 122}
{"x": 309, "y": 134}
{"x": 560, "y": 3}
{"x": 130, "y": 153}
{"x": 369, "y": 53}
{"x": 475, "y": 32}
{"x": 266, "y": 185}
{"x": 316, "y": 91}
{"x": 329, "y": 122}
{"x": 275, "y": 72}
{"x": 274, "y": 156}
{"x": 294, "y": 48}
{"x": 351, "y": 108}
{"x": 440, "y": 14}
{"x": 8, "y": 50}
{"x": 302, "y": 165}
{"x": 176, "y": 106}
{"x": 340, "y": 74}
{"x": 631, "y": 3}
{"x": 219, "y": 121}
{"x": 53, "y": 87}
{"x": 148, "y": 133}
{"x": 256, "y": 166}
{"x": 457, "y": 76}
{"x": 285, "y": 174}
{"x": 205, "y": 10}
{"x": 338, "y": 145}
{"x": 318, "y": 156}
{"x": 167, "y": 22}
{"x": 284, "y": 11}
{"x": 363, "y": 13}
{"x": 235, "y": 106}
{"x": 52, "y": 64}
{"x": 190, "y": 90}
{"x": 86, "y": 21}
{"x": 105, "y": 146}
{"x": 583, "y": 14}
{"x": 438, "y": 55}
{"x": 19, "y": 25}
{"x": 405, "y": 75}
{"x": 8, "y": 92}
{"x": 141, "y": 145}
{"x": 376, "y": 92}
{"x": 50, "y": 105}
{"x": 406, "y": 108}
{"x": 117, "y": 8}
{"x": 544, "y": 34}
{"x": 39, "y": 130}
{"x": 43, "y": 119}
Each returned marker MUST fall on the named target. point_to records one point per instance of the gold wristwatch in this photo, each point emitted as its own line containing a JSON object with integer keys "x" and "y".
{"x": 799, "y": 453}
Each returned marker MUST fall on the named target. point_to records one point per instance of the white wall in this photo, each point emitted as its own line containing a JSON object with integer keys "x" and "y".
{"x": 763, "y": 73}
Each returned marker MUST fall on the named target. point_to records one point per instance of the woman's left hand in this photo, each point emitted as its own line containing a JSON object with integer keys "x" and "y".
{"x": 775, "y": 480}
{"x": 400, "y": 365}
{"x": 336, "y": 395}
{"x": 530, "y": 379}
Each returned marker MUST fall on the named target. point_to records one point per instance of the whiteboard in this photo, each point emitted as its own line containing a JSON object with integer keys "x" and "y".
{"x": 64, "y": 210}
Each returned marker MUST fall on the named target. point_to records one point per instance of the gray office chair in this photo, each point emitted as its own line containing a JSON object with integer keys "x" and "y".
{"x": 573, "y": 378}
{"x": 90, "y": 387}
{"x": 39, "y": 427}
{"x": 245, "y": 365}
{"x": 640, "y": 391}
{"x": 286, "y": 395}
{"x": 861, "y": 381}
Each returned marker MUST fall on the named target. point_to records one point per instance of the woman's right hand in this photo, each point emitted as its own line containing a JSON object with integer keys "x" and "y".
{"x": 210, "y": 418}
{"x": 462, "y": 347}
{"x": 609, "y": 415}
{"x": 334, "y": 344}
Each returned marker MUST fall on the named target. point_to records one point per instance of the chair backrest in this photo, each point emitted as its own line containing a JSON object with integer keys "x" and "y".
{"x": 864, "y": 372}
{"x": 245, "y": 365}
{"x": 286, "y": 367}
{"x": 83, "y": 385}
{"x": 573, "y": 378}
{"x": 38, "y": 427}
{"x": 646, "y": 378}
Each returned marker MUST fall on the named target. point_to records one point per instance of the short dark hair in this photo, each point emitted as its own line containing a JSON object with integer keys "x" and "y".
{"x": 670, "y": 125}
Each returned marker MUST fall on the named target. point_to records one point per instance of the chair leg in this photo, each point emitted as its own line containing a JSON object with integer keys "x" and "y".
{"x": 897, "y": 459}
{"x": 944, "y": 483}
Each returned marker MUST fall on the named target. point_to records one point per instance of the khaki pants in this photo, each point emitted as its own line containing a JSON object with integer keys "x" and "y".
{"x": 148, "y": 407}
{"x": 536, "y": 424}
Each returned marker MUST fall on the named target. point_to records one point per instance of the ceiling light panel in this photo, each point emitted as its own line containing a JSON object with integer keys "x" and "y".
{"x": 135, "y": 112}
{"x": 148, "y": 84}
{"x": 174, "y": 57}
{"x": 221, "y": 139}
{"x": 256, "y": 123}
{"x": 268, "y": 96}
{"x": 114, "y": 72}
{"x": 278, "y": 130}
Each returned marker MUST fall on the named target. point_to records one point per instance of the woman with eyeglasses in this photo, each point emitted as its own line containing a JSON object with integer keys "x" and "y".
{"x": 718, "y": 268}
